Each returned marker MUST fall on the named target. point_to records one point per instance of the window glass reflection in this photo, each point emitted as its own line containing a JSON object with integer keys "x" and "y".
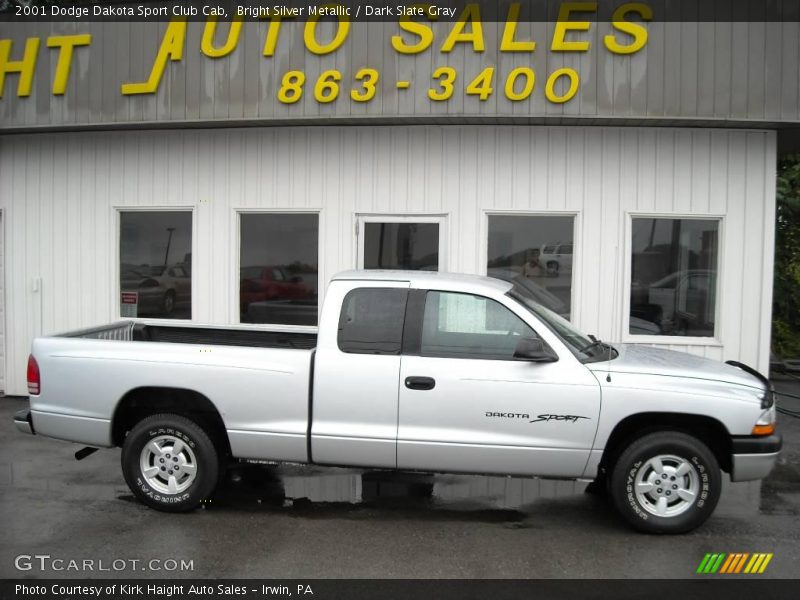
{"x": 535, "y": 252}
{"x": 278, "y": 276}
{"x": 410, "y": 246}
{"x": 156, "y": 264}
{"x": 674, "y": 276}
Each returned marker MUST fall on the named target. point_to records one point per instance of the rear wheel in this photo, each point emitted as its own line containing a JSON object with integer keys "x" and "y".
{"x": 170, "y": 463}
{"x": 168, "y": 304}
{"x": 666, "y": 482}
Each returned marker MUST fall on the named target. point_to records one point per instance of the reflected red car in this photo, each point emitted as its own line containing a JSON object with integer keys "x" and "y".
{"x": 259, "y": 284}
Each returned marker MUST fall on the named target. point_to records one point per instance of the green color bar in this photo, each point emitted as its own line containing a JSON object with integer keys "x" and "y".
{"x": 703, "y": 564}
{"x": 718, "y": 564}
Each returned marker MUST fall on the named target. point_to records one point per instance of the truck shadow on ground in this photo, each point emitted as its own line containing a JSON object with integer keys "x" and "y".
{"x": 322, "y": 493}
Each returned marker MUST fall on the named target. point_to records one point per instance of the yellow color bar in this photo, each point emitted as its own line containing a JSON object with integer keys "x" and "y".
{"x": 764, "y": 564}
{"x": 749, "y": 566}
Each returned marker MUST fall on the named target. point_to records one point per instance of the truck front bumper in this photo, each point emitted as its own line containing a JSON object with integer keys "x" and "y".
{"x": 23, "y": 421}
{"x": 754, "y": 457}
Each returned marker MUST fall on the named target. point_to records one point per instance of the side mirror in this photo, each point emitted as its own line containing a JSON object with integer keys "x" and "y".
{"x": 534, "y": 350}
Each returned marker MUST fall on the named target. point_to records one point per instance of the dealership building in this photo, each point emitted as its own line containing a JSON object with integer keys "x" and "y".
{"x": 625, "y": 172}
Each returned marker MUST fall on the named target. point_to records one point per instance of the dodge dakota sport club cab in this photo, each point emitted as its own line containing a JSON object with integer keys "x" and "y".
{"x": 413, "y": 371}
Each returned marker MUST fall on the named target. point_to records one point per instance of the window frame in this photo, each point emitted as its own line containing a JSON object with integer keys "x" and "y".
{"x": 117, "y": 273}
{"x": 714, "y": 341}
{"x": 236, "y": 255}
{"x": 577, "y": 247}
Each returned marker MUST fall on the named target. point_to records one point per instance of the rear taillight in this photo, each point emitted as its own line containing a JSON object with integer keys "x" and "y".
{"x": 34, "y": 380}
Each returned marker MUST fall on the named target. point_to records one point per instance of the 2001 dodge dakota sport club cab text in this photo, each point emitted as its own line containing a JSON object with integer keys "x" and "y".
{"x": 414, "y": 371}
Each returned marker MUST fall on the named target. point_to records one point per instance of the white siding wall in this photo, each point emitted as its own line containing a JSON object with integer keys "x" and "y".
{"x": 59, "y": 194}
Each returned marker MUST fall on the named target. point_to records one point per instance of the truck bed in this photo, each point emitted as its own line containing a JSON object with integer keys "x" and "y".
{"x": 132, "y": 331}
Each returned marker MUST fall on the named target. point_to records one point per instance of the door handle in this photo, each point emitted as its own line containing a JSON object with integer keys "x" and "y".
{"x": 420, "y": 383}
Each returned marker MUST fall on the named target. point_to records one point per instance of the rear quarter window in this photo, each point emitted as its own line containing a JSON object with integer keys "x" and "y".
{"x": 371, "y": 321}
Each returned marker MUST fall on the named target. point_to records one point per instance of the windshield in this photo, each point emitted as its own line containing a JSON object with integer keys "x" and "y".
{"x": 581, "y": 345}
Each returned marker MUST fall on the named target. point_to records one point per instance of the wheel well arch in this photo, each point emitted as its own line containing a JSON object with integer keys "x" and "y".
{"x": 708, "y": 430}
{"x": 142, "y": 402}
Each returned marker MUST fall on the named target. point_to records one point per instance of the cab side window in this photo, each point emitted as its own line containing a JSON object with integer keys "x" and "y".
{"x": 466, "y": 326}
{"x": 371, "y": 321}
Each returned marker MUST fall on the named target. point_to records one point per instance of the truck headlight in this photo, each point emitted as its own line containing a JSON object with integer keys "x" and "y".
{"x": 768, "y": 398}
{"x": 766, "y": 422}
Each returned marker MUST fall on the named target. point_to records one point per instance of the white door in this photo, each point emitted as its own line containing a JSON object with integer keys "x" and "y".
{"x": 408, "y": 242}
{"x": 356, "y": 371}
{"x": 467, "y": 405}
{"x": 2, "y": 311}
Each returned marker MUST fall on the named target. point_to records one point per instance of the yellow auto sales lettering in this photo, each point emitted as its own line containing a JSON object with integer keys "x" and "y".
{"x": 415, "y": 34}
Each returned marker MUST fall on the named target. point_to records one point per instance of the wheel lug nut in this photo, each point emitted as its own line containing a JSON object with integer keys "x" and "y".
{"x": 668, "y": 492}
{"x": 674, "y": 487}
{"x": 658, "y": 482}
{"x": 161, "y": 460}
{"x": 672, "y": 478}
{"x": 175, "y": 458}
{"x": 163, "y": 468}
{"x": 167, "y": 455}
{"x": 659, "y": 490}
{"x": 170, "y": 472}
{"x": 177, "y": 467}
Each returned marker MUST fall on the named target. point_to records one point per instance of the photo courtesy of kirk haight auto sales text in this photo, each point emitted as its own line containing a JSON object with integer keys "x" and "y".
{"x": 65, "y": 590}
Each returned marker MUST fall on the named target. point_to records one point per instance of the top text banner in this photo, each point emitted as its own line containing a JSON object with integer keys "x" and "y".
{"x": 388, "y": 10}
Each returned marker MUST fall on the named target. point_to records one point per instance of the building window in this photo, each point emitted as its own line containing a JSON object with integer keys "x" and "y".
{"x": 278, "y": 268}
{"x": 674, "y": 276}
{"x": 535, "y": 251}
{"x": 410, "y": 246}
{"x": 371, "y": 321}
{"x": 155, "y": 250}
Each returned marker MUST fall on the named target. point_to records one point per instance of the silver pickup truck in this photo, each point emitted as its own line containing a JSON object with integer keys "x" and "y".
{"x": 414, "y": 371}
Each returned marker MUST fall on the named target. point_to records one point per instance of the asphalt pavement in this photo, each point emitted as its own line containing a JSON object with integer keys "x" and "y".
{"x": 313, "y": 522}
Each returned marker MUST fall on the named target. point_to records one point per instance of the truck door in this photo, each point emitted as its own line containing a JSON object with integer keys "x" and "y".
{"x": 467, "y": 405}
{"x": 357, "y": 366}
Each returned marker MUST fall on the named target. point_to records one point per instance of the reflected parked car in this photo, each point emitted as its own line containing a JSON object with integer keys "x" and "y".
{"x": 159, "y": 288}
{"x": 556, "y": 258}
{"x": 681, "y": 303}
{"x": 260, "y": 284}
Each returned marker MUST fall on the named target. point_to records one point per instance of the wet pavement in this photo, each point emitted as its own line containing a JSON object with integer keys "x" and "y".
{"x": 297, "y": 521}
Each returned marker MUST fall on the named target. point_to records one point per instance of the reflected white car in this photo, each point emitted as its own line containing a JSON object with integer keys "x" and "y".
{"x": 556, "y": 258}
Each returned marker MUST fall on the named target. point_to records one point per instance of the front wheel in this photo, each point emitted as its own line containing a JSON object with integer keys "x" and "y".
{"x": 170, "y": 463}
{"x": 666, "y": 482}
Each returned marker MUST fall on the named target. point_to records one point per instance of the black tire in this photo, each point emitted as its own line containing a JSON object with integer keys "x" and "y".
{"x": 198, "y": 449}
{"x": 168, "y": 304}
{"x": 552, "y": 269}
{"x": 636, "y": 457}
